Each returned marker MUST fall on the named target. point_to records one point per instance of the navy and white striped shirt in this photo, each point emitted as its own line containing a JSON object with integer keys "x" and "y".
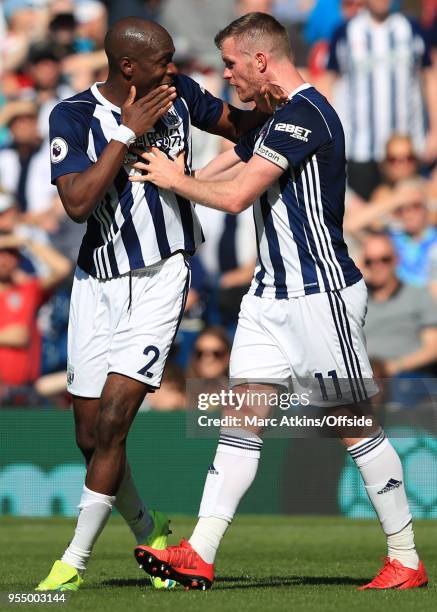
{"x": 380, "y": 64}
{"x": 136, "y": 224}
{"x": 299, "y": 219}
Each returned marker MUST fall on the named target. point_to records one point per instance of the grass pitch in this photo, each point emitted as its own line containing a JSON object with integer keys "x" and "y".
{"x": 265, "y": 563}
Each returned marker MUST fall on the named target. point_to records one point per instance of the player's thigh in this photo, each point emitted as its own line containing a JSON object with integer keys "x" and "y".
{"x": 329, "y": 349}
{"x": 256, "y": 354}
{"x": 88, "y": 337}
{"x": 146, "y": 330}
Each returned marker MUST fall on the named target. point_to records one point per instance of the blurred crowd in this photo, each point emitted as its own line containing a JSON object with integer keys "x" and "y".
{"x": 375, "y": 60}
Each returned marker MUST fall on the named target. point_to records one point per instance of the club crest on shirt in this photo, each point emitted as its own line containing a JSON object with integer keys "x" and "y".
{"x": 171, "y": 118}
{"x": 58, "y": 150}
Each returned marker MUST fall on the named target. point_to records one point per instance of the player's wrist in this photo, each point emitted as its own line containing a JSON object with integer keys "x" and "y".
{"x": 125, "y": 135}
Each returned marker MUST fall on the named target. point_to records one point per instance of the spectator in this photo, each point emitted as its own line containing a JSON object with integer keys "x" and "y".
{"x": 24, "y": 169}
{"x": 92, "y": 23}
{"x": 382, "y": 58}
{"x": 401, "y": 322}
{"x": 171, "y": 395}
{"x": 193, "y": 320}
{"x": 405, "y": 216}
{"x": 212, "y": 350}
{"x": 26, "y": 21}
{"x": 229, "y": 255}
{"x": 400, "y": 162}
{"x": 414, "y": 239}
{"x": 45, "y": 70}
{"x": 20, "y": 298}
{"x": 145, "y": 9}
{"x": 194, "y": 24}
{"x": 319, "y": 52}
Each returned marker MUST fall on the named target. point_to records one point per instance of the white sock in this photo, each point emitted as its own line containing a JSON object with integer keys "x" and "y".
{"x": 132, "y": 508}
{"x": 229, "y": 477}
{"x": 95, "y": 509}
{"x": 207, "y": 536}
{"x": 381, "y": 470}
{"x": 401, "y": 547}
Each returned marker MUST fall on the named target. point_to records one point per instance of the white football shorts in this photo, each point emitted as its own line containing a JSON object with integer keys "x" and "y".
{"x": 125, "y": 325}
{"x": 317, "y": 341}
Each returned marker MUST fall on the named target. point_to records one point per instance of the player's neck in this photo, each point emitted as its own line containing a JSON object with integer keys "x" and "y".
{"x": 287, "y": 77}
{"x": 114, "y": 91}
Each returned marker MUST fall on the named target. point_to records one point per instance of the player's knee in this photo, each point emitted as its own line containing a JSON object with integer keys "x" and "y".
{"x": 86, "y": 443}
{"x": 111, "y": 428}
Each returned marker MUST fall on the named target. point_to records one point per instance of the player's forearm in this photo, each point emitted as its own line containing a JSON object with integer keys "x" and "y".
{"x": 236, "y": 122}
{"x": 225, "y": 196}
{"x": 224, "y": 167}
{"x": 14, "y": 336}
{"x": 80, "y": 193}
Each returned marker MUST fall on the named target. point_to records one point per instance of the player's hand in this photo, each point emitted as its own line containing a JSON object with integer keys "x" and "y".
{"x": 271, "y": 96}
{"x": 141, "y": 115}
{"x": 158, "y": 168}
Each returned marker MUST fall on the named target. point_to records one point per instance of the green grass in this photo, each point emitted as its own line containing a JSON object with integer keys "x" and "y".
{"x": 265, "y": 563}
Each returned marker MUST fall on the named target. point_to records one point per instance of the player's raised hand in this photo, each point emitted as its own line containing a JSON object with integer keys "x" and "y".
{"x": 158, "y": 168}
{"x": 271, "y": 96}
{"x": 141, "y": 115}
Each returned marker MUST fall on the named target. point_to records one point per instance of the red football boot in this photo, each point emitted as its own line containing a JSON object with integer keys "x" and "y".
{"x": 394, "y": 575}
{"x": 180, "y": 563}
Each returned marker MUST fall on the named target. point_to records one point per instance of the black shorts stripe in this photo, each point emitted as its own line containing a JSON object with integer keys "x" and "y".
{"x": 340, "y": 297}
{"x": 343, "y": 351}
{"x": 349, "y": 349}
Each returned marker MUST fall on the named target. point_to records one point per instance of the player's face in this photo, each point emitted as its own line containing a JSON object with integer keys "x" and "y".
{"x": 379, "y": 262}
{"x": 240, "y": 70}
{"x": 154, "y": 70}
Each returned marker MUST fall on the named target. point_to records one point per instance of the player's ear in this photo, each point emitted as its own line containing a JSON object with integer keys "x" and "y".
{"x": 260, "y": 61}
{"x": 126, "y": 66}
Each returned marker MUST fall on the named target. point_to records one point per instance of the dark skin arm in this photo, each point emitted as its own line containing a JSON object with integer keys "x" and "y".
{"x": 235, "y": 122}
{"x": 80, "y": 191}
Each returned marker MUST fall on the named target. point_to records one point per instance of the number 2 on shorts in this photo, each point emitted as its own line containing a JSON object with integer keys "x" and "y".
{"x": 145, "y": 369}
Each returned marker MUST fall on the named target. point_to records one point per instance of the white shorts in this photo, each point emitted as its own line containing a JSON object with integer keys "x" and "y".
{"x": 124, "y": 325}
{"x": 317, "y": 341}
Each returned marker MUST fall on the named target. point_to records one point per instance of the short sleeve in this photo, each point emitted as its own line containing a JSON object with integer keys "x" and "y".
{"x": 427, "y": 311}
{"x": 69, "y": 129}
{"x": 204, "y": 108}
{"x": 246, "y": 144}
{"x": 294, "y": 135}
